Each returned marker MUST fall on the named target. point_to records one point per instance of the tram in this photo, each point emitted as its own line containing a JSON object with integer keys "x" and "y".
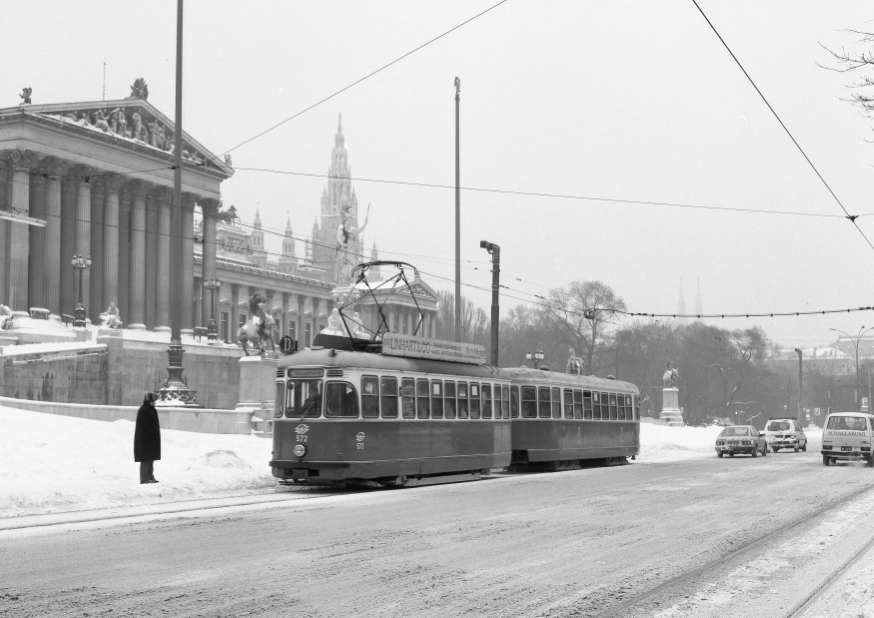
{"x": 344, "y": 416}
{"x": 564, "y": 420}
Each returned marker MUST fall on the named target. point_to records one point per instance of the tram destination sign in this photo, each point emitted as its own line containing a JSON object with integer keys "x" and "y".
{"x": 394, "y": 344}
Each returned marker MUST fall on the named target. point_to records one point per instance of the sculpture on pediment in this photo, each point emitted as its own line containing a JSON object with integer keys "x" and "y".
{"x": 111, "y": 317}
{"x": 25, "y": 96}
{"x": 83, "y": 119}
{"x": 139, "y": 89}
{"x": 139, "y": 130}
{"x": 156, "y": 134}
{"x": 114, "y": 121}
{"x": 5, "y": 317}
{"x": 99, "y": 120}
{"x": 228, "y": 160}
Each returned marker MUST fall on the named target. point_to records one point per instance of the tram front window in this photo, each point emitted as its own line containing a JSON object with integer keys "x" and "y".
{"x": 340, "y": 400}
{"x": 303, "y": 399}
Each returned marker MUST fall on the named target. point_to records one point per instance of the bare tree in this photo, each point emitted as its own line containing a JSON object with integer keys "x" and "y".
{"x": 585, "y": 309}
{"x": 475, "y": 323}
{"x": 853, "y": 60}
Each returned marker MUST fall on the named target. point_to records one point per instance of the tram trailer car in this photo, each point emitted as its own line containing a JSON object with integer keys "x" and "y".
{"x": 343, "y": 417}
{"x": 564, "y": 420}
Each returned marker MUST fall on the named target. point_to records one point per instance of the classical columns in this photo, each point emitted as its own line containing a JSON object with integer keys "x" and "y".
{"x": 95, "y": 301}
{"x": 151, "y": 258}
{"x": 19, "y": 236}
{"x": 235, "y": 311}
{"x": 301, "y": 318}
{"x": 83, "y": 224}
{"x": 125, "y": 199}
{"x": 165, "y": 204}
{"x": 138, "y": 256}
{"x": 5, "y": 200}
{"x": 210, "y": 209}
{"x": 111, "y": 233}
{"x": 36, "y": 266}
{"x": 69, "y": 187}
{"x": 187, "y": 265}
{"x": 51, "y": 275}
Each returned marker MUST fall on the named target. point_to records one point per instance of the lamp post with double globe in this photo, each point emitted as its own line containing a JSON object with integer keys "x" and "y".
{"x": 536, "y": 357}
{"x": 212, "y": 284}
{"x": 855, "y": 342}
{"x": 80, "y": 264}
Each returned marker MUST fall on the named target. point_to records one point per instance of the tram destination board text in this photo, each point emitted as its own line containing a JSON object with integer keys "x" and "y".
{"x": 394, "y": 344}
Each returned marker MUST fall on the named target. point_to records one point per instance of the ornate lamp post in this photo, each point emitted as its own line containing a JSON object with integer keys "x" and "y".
{"x": 855, "y": 343}
{"x": 536, "y": 357}
{"x": 80, "y": 264}
{"x": 212, "y": 284}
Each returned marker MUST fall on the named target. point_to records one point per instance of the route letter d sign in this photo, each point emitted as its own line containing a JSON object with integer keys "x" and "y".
{"x": 864, "y": 404}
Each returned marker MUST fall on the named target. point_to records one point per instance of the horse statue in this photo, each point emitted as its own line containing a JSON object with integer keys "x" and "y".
{"x": 670, "y": 377}
{"x": 574, "y": 363}
{"x": 258, "y": 329}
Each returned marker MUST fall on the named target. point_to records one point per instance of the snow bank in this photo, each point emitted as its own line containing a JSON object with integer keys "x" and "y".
{"x": 52, "y": 463}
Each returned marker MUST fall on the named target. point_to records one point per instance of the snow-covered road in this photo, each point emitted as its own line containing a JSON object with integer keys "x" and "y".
{"x": 572, "y": 543}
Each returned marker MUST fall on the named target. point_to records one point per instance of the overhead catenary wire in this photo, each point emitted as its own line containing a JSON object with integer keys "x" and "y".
{"x": 847, "y": 215}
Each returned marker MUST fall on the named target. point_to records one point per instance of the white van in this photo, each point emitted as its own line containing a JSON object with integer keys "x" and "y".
{"x": 785, "y": 433}
{"x": 848, "y": 436}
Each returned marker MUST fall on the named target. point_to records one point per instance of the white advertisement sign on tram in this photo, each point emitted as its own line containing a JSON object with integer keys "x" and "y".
{"x": 394, "y": 344}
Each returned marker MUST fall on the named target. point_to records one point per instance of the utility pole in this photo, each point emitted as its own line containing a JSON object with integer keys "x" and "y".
{"x": 457, "y": 212}
{"x": 798, "y": 351}
{"x": 495, "y": 251}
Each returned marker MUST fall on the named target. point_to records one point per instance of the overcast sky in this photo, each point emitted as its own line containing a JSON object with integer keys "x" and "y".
{"x": 617, "y": 100}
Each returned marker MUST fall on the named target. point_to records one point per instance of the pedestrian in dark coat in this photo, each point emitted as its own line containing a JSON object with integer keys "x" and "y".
{"x": 147, "y": 439}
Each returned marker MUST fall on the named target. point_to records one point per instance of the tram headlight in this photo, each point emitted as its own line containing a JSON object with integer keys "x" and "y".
{"x": 299, "y": 450}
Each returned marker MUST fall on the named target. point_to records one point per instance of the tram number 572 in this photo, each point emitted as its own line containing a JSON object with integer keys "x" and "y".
{"x": 359, "y": 441}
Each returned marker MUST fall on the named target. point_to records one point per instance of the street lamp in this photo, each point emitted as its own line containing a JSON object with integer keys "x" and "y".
{"x": 212, "y": 284}
{"x": 862, "y": 331}
{"x": 536, "y": 357}
{"x": 80, "y": 264}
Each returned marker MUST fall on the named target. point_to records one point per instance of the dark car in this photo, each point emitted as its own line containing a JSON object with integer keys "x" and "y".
{"x": 741, "y": 439}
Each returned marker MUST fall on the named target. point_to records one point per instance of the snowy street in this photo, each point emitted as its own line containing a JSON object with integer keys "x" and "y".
{"x": 579, "y": 543}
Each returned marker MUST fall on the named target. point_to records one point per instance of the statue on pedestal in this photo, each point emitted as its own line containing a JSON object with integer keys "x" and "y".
{"x": 258, "y": 329}
{"x": 111, "y": 317}
{"x": 5, "y": 317}
{"x": 574, "y": 363}
{"x": 670, "y": 377}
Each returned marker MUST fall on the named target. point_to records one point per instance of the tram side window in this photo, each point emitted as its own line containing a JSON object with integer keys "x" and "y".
{"x": 529, "y": 402}
{"x": 556, "y": 403}
{"x": 514, "y": 402}
{"x": 544, "y": 408}
{"x": 422, "y": 398}
{"x": 596, "y": 406}
{"x": 303, "y": 399}
{"x": 389, "y": 396}
{"x": 637, "y": 407}
{"x": 436, "y": 399}
{"x": 449, "y": 399}
{"x": 621, "y": 407}
{"x": 568, "y": 403}
{"x": 370, "y": 396}
{"x": 487, "y": 400}
{"x": 462, "y": 400}
{"x": 408, "y": 398}
{"x": 341, "y": 400}
{"x": 474, "y": 400}
{"x": 629, "y": 411}
{"x": 278, "y": 401}
{"x": 587, "y": 404}
{"x": 505, "y": 401}
{"x": 578, "y": 404}
{"x": 612, "y": 399}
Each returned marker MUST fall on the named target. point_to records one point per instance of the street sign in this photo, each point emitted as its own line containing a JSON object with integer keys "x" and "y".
{"x": 286, "y": 344}
{"x": 817, "y": 411}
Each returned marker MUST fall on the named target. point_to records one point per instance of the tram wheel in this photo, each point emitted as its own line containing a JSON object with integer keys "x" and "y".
{"x": 826, "y": 460}
{"x": 774, "y": 449}
{"x": 719, "y": 454}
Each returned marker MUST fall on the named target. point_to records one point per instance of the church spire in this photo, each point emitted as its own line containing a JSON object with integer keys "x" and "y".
{"x": 698, "y": 309}
{"x": 681, "y": 305}
{"x": 257, "y": 222}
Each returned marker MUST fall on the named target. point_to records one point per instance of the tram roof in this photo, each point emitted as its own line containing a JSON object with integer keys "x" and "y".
{"x": 539, "y": 376}
{"x": 322, "y": 357}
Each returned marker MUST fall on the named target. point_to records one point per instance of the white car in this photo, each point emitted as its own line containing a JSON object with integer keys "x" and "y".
{"x": 785, "y": 433}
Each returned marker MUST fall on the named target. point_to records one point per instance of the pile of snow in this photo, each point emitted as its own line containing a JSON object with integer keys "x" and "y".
{"x": 54, "y": 464}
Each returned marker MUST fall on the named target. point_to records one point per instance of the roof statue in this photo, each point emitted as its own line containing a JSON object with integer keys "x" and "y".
{"x": 574, "y": 363}
{"x": 229, "y": 215}
{"x": 25, "y": 96}
{"x": 139, "y": 89}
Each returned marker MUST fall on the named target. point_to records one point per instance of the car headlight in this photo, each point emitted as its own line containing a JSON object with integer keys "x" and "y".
{"x": 299, "y": 450}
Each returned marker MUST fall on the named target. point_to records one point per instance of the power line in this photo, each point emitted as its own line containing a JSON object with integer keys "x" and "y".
{"x": 368, "y": 76}
{"x": 852, "y": 218}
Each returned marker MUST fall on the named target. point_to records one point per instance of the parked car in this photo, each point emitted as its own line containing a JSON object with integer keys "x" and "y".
{"x": 741, "y": 439}
{"x": 847, "y": 436}
{"x": 785, "y": 433}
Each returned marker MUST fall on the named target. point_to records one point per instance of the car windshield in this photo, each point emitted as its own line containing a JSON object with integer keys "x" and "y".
{"x": 778, "y": 426}
{"x": 734, "y": 431}
{"x": 847, "y": 423}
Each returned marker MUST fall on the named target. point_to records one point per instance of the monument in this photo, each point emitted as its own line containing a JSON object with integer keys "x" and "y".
{"x": 671, "y": 412}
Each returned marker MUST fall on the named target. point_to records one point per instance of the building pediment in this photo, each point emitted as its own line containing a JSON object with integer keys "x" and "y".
{"x": 133, "y": 120}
